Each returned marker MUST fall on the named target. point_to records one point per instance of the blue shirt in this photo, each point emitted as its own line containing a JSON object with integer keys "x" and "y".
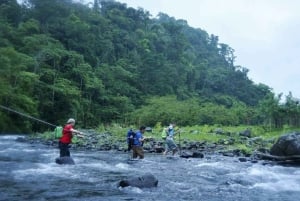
{"x": 171, "y": 132}
{"x": 138, "y": 136}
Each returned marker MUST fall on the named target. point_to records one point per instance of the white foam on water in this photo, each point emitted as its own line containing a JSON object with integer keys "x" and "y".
{"x": 215, "y": 165}
{"x": 10, "y": 137}
{"x": 99, "y": 165}
{"x": 284, "y": 185}
{"x": 145, "y": 160}
{"x": 123, "y": 166}
{"x": 131, "y": 189}
{"x": 10, "y": 149}
{"x": 103, "y": 166}
{"x": 275, "y": 178}
{"x": 206, "y": 164}
{"x": 184, "y": 188}
{"x": 43, "y": 169}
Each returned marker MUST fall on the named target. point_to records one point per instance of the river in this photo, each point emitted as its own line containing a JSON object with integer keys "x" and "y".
{"x": 28, "y": 172}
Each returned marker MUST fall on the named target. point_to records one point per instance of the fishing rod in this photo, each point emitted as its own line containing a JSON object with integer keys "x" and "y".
{"x": 58, "y": 129}
{"x": 26, "y": 115}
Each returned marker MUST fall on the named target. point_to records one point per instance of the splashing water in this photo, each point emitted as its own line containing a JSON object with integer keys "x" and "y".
{"x": 28, "y": 172}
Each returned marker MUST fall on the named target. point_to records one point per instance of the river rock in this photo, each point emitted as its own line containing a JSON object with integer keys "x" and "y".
{"x": 246, "y": 133}
{"x": 188, "y": 154}
{"x": 145, "y": 181}
{"x": 65, "y": 160}
{"x": 287, "y": 145}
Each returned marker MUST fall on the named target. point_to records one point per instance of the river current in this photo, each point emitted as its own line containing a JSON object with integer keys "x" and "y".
{"x": 29, "y": 172}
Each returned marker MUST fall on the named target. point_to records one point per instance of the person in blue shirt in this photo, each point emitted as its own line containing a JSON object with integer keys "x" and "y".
{"x": 137, "y": 147}
{"x": 170, "y": 144}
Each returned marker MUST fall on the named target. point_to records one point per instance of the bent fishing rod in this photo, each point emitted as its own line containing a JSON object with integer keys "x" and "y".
{"x": 36, "y": 119}
{"x": 26, "y": 115}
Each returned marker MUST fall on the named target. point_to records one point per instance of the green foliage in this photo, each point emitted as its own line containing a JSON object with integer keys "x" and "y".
{"x": 48, "y": 135}
{"x": 110, "y": 63}
{"x": 191, "y": 112}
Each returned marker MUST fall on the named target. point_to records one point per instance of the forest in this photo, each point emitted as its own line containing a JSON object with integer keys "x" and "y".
{"x": 106, "y": 63}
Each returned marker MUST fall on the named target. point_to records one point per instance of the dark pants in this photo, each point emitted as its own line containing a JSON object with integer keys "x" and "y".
{"x": 64, "y": 149}
{"x": 129, "y": 146}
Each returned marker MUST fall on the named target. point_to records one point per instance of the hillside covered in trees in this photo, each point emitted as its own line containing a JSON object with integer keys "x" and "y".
{"x": 108, "y": 63}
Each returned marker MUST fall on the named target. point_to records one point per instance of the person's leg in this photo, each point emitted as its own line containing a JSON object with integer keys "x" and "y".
{"x": 68, "y": 151}
{"x": 168, "y": 146}
{"x": 129, "y": 147}
{"x": 174, "y": 151}
{"x": 61, "y": 149}
{"x": 140, "y": 152}
{"x": 64, "y": 149}
{"x": 173, "y": 147}
{"x": 134, "y": 152}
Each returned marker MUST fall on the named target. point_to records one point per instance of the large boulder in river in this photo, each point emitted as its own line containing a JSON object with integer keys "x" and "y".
{"x": 145, "y": 181}
{"x": 65, "y": 160}
{"x": 287, "y": 145}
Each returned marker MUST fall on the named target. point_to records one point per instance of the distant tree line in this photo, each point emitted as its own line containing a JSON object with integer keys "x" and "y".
{"x": 109, "y": 63}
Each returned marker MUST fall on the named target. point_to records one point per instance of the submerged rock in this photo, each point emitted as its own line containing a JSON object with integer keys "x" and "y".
{"x": 65, "y": 161}
{"x": 145, "y": 181}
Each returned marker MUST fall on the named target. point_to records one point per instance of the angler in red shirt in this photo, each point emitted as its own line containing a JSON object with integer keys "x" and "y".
{"x": 66, "y": 139}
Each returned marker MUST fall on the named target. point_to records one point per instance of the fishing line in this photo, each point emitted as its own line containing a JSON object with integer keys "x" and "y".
{"x": 26, "y": 115}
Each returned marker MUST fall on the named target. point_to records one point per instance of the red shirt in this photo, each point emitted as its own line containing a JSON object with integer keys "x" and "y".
{"x": 67, "y": 134}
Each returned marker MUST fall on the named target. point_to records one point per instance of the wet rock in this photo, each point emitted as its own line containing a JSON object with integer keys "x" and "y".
{"x": 197, "y": 155}
{"x": 246, "y": 133}
{"x": 65, "y": 161}
{"x": 145, "y": 181}
{"x": 287, "y": 145}
{"x": 159, "y": 149}
{"x": 188, "y": 154}
{"x": 243, "y": 159}
{"x": 231, "y": 153}
{"x": 21, "y": 139}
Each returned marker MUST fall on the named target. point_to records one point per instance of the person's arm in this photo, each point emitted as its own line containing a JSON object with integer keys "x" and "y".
{"x": 176, "y": 130}
{"x": 141, "y": 139}
{"x": 76, "y": 132}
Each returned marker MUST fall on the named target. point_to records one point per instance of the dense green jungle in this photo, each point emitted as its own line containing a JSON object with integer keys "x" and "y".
{"x": 107, "y": 64}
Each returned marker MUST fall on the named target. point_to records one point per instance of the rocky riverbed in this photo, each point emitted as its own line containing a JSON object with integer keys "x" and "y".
{"x": 197, "y": 149}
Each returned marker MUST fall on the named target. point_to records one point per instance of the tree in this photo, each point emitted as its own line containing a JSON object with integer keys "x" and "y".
{"x": 16, "y": 85}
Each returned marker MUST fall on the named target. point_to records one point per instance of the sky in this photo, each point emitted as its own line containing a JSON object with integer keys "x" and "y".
{"x": 265, "y": 34}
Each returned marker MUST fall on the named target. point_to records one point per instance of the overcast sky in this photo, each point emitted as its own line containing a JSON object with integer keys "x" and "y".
{"x": 265, "y": 34}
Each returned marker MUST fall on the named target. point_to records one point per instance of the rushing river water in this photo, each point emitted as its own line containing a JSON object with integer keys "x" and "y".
{"x": 28, "y": 172}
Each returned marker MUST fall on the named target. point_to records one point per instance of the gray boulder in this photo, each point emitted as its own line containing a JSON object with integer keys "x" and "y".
{"x": 65, "y": 160}
{"x": 188, "y": 154}
{"x": 246, "y": 133}
{"x": 287, "y": 145}
{"x": 145, "y": 181}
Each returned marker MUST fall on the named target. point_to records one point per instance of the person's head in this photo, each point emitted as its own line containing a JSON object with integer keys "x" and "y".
{"x": 142, "y": 129}
{"x": 71, "y": 121}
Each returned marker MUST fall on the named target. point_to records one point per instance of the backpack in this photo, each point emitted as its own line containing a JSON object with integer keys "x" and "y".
{"x": 130, "y": 138}
{"x": 58, "y": 132}
{"x": 164, "y": 134}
